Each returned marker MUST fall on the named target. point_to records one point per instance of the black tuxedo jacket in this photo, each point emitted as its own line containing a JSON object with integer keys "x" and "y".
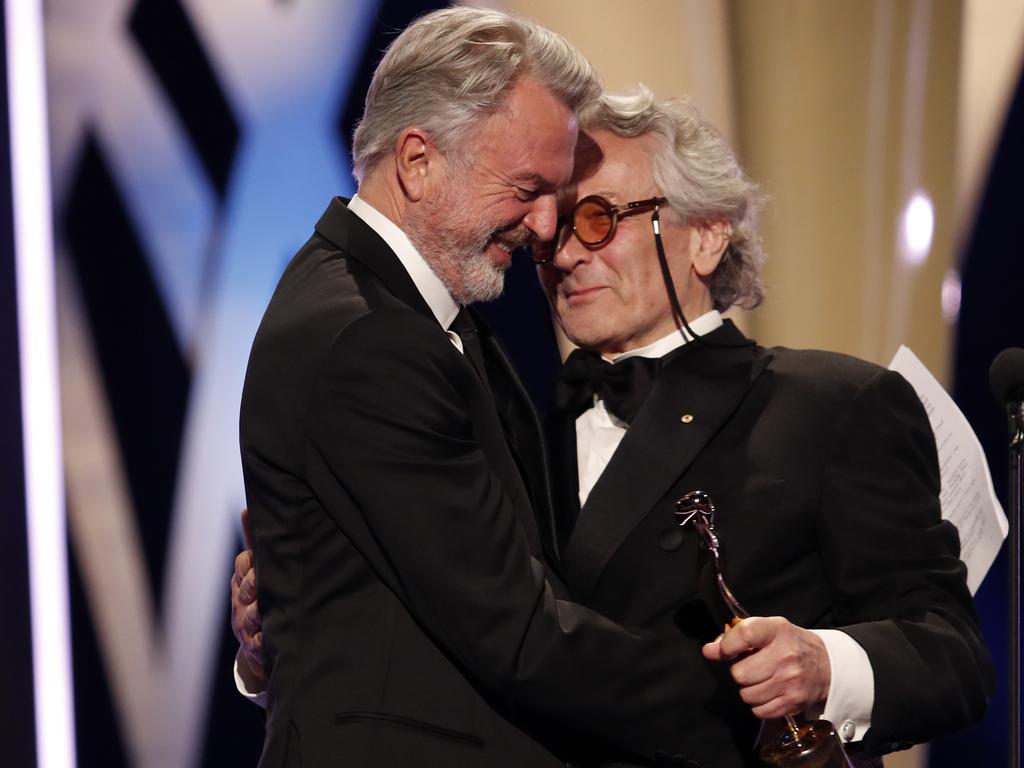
{"x": 410, "y": 615}
{"x": 825, "y": 477}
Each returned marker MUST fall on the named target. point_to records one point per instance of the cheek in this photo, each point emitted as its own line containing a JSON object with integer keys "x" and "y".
{"x": 649, "y": 290}
{"x": 505, "y": 214}
{"x": 626, "y": 286}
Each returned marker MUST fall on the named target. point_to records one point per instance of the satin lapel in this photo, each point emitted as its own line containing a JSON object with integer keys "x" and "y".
{"x": 520, "y": 426}
{"x": 359, "y": 242}
{"x": 704, "y": 383}
{"x": 560, "y": 429}
{"x": 523, "y": 434}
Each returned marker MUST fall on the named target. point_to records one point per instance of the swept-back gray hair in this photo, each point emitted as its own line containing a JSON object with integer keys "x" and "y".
{"x": 696, "y": 169}
{"x": 450, "y": 67}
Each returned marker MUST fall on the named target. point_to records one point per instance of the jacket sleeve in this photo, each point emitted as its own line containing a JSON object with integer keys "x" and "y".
{"x": 898, "y": 584}
{"x": 395, "y": 420}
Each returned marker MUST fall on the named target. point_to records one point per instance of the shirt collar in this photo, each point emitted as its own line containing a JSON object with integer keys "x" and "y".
{"x": 430, "y": 286}
{"x": 702, "y": 325}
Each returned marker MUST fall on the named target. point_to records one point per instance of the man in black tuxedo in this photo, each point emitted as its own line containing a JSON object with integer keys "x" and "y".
{"x": 394, "y": 469}
{"x": 822, "y": 467}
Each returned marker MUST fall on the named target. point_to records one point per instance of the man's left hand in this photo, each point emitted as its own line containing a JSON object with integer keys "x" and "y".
{"x": 782, "y": 669}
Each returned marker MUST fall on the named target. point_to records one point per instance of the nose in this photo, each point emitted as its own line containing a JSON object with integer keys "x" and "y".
{"x": 543, "y": 217}
{"x": 570, "y": 255}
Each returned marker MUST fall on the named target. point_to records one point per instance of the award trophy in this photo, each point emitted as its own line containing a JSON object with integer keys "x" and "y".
{"x": 801, "y": 744}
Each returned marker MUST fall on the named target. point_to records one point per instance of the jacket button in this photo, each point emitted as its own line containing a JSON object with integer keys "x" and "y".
{"x": 671, "y": 539}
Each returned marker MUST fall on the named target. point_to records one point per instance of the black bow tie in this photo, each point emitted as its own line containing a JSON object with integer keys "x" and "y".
{"x": 622, "y": 386}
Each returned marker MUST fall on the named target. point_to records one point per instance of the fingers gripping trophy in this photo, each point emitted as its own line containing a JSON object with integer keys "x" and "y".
{"x": 800, "y": 744}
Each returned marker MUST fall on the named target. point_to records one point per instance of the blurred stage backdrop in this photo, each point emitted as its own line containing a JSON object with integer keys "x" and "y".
{"x": 193, "y": 144}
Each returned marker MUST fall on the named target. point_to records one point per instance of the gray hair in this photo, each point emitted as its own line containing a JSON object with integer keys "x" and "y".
{"x": 696, "y": 169}
{"x": 451, "y": 67}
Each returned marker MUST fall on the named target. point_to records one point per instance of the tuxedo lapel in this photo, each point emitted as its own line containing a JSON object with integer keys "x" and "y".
{"x": 518, "y": 420}
{"x": 359, "y": 242}
{"x": 560, "y": 430}
{"x": 692, "y": 397}
{"x": 523, "y": 435}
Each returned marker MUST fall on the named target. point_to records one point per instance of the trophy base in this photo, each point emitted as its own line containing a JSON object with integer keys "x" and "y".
{"x": 815, "y": 745}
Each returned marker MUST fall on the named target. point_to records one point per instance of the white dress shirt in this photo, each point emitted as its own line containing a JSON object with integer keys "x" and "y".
{"x": 598, "y": 434}
{"x": 430, "y": 286}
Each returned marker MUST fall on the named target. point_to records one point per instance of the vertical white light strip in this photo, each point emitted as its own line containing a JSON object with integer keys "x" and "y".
{"x": 44, "y": 484}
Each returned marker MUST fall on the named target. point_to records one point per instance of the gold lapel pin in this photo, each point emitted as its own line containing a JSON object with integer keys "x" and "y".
{"x": 686, "y": 418}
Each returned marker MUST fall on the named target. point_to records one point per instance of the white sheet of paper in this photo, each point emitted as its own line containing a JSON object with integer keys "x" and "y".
{"x": 967, "y": 497}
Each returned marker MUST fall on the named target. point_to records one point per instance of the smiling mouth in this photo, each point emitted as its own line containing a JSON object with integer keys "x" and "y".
{"x": 577, "y": 295}
{"x": 505, "y": 248}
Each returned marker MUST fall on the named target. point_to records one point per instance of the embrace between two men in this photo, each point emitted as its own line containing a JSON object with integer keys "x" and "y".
{"x": 439, "y": 584}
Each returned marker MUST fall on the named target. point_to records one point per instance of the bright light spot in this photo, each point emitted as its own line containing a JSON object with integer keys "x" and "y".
{"x": 950, "y": 296}
{"x": 918, "y": 225}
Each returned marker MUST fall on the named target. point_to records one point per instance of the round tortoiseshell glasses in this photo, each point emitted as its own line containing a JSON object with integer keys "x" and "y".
{"x": 592, "y": 221}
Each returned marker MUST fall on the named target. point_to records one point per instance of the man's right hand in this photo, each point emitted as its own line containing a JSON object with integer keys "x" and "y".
{"x": 782, "y": 669}
{"x": 245, "y": 614}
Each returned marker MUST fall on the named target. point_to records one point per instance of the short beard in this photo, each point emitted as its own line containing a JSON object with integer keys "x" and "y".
{"x": 453, "y": 238}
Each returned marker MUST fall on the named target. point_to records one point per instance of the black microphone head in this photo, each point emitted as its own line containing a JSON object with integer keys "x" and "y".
{"x": 1006, "y": 376}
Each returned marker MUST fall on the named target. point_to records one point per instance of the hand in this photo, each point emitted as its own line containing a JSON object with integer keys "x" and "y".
{"x": 782, "y": 668}
{"x": 245, "y": 614}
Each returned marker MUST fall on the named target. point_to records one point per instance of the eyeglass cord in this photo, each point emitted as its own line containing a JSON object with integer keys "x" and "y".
{"x": 673, "y": 297}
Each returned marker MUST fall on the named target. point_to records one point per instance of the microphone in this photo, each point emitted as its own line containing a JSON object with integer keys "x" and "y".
{"x": 1006, "y": 377}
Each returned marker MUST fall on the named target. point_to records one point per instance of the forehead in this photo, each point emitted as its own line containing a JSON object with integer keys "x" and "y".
{"x": 532, "y": 137}
{"x": 616, "y": 167}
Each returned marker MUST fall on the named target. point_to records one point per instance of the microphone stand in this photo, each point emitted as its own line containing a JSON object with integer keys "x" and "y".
{"x": 1015, "y": 422}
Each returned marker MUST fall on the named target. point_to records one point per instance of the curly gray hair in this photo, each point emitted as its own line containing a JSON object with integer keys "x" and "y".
{"x": 697, "y": 171}
{"x": 452, "y": 66}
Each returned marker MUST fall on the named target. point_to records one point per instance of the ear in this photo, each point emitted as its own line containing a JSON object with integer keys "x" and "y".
{"x": 713, "y": 239}
{"x": 414, "y": 155}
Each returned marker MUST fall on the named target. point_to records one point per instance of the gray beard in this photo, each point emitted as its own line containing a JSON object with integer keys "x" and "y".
{"x": 464, "y": 268}
{"x": 477, "y": 278}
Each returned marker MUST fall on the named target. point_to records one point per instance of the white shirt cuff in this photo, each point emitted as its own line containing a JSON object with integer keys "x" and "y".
{"x": 246, "y": 683}
{"x": 851, "y": 694}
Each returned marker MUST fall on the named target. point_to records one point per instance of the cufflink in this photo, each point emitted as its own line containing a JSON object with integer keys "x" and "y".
{"x": 848, "y": 730}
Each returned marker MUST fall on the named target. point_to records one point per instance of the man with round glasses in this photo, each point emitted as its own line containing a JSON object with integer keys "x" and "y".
{"x": 822, "y": 467}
